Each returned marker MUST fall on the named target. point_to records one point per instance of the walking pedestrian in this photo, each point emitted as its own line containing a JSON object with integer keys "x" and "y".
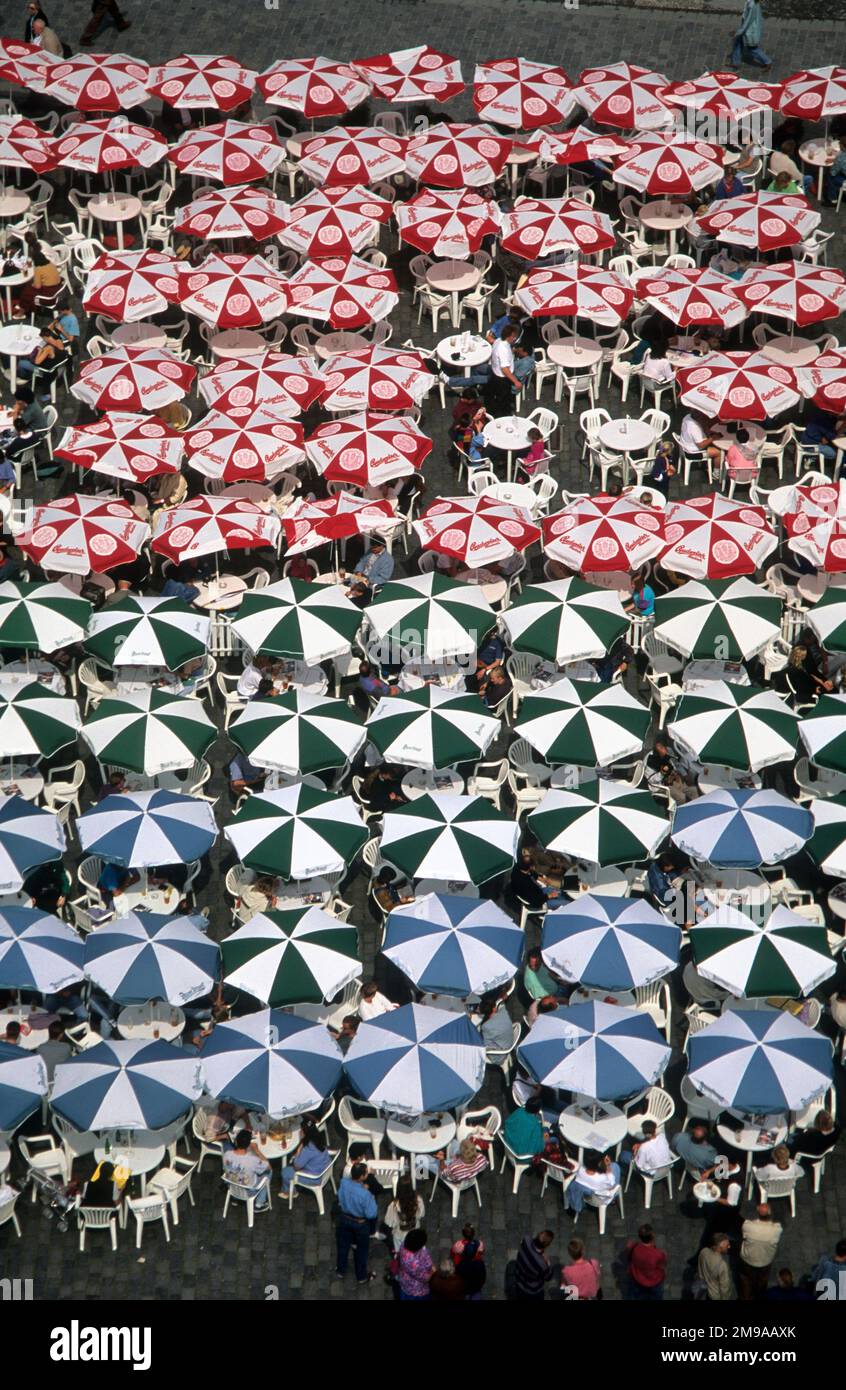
{"x": 99, "y": 10}
{"x": 533, "y": 1268}
{"x": 747, "y": 41}
{"x": 647, "y": 1266}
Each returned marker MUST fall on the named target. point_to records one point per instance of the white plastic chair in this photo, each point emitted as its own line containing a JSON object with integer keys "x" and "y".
{"x": 173, "y": 1182}
{"x": 43, "y": 1155}
{"x": 456, "y": 1189}
{"x": 363, "y": 1124}
{"x": 504, "y": 1058}
{"x": 602, "y": 1205}
{"x": 664, "y": 1174}
{"x": 237, "y": 1192}
{"x": 488, "y": 781}
{"x": 778, "y": 1187}
{"x": 153, "y": 1207}
{"x": 521, "y": 1163}
{"x": 315, "y": 1183}
{"x": 8, "y": 1213}
{"x": 97, "y": 1219}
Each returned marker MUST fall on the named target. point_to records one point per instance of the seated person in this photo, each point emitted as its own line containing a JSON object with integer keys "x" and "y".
{"x": 359, "y": 593}
{"x": 663, "y": 468}
{"x": 783, "y": 183}
{"x": 533, "y": 887}
{"x": 12, "y": 1034}
{"x": 300, "y": 567}
{"x": 651, "y": 1152}
{"x": 23, "y": 438}
{"x": 9, "y": 568}
{"x": 495, "y": 686}
{"x": 49, "y": 886}
{"x": 244, "y": 1163}
{"x": 512, "y": 318}
{"x": 375, "y": 566}
{"x": 220, "y": 1121}
{"x": 656, "y": 368}
{"x": 695, "y": 439}
{"x": 101, "y": 1190}
{"x": 489, "y": 654}
{"x": 643, "y": 598}
{"x": 46, "y": 277}
{"x": 820, "y": 432}
{"x": 523, "y": 368}
{"x": 115, "y": 879}
{"x": 310, "y": 1158}
{"x": 370, "y": 681}
{"x": 527, "y": 464}
{"x": 243, "y": 776}
{"x": 781, "y": 1165}
{"x": 547, "y": 1005}
{"x": 836, "y": 174}
{"x": 783, "y": 162}
{"x": 468, "y": 1163}
{"x": 730, "y": 185}
{"x": 597, "y": 1177}
{"x": 251, "y": 677}
{"x": 30, "y": 410}
{"x": 817, "y": 1140}
{"x": 389, "y": 890}
{"x": 65, "y": 325}
{"x": 663, "y": 880}
{"x": 113, "y": 786}
{"x": 495, "y": 1023}
{"x": 258, "y": 892}
{"x": 381, "y": 789}
{"x": 523, "y": 1130}
{"x": 372, "y": 1003}
{"x": 742, "y": 457}
{"x": 695, "y": 1149}
{"x": 619, "y": 659}
{"x": 344, "y": 1035}
{"x": 538, "y": 982}
{"x": 184, "y": 580}
{"x": 56, "y": 1049}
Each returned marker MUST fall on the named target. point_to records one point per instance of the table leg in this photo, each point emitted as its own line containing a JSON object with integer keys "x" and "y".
{"x": 120, "y": 236}
{"x": 412, "y": 1167}
{"x": 820, "y": 178}
{"x": 672, "y": 241}
{"x": 454, "y": 298}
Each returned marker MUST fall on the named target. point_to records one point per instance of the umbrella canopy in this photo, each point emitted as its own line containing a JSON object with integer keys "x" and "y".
{"x": 366, "y": 449}
{"x": 624, "y": 95}
{"x": 148, "y": 955}
{"x": 206, "y": 525}
{"x": 827, "y": 845}
{"x": 416, "y": 1059}
{"x": 98, "y": 81}
{"x": 272, "y": 1062}
{"x": 298, "y": 957}
{"x": 232, "y": 213}
{"x": 133, "y": 378}
{"x": 463, "y": 838}
{"x": 28, "y": 837}
{"x": 313, "y": 86}
{"x": 785, "y": 956}
{"x": 724, "y": 94}
{"x": 376, "y": 378}
{"x": 25, "y": 64}
{"x": 310, "y": 524}
{"x": 430, "y": 616}
{"x": 661, "y": 164}
{"x": 345, "y": 290}
{"x": 38, "y": 951}
{"x": 446, "y": 944}
{"x": 523, "y": 95}
{"x": 144, "y": 829}
{"x": 412, "y": 74}
{"x": 584, "y": 724}
{"x": 597, "y": 1050}
{"x": 23, "y": 1082}
{"x": 132, "y": 448}
{"x": 432, "y": 727}
{"x": 234, "y": 291}
{"x": 476, "y": 530}
{"x": 352, "y": 155}
{"x": 741, "y": 829}
{"x": 24, "y": 145}
{"x": 738, "y": 386}
{"x": 823, "y": 732}
{"x": 733, "y": 616}
{"x": 34, "y": 720}
{"x": 149, "y": 732}
{"x": 816, "y": 94}
{"x": 602, "y": 823}
{"x": 739, "y": 726}
{"x": 565, "y": 620}
{"x": 713, "y": 537}
{"x": 142, "y": 631}
{"x": 99, "y": 147}
{"x": 230, "y": 151}
{"x": 760, "y": 1061}
{"x": 297, "y": 832}
{"x": 609, "y": 943}
{"x": 458, "y": 156}
{"x": 825, "y": 380}
{"x": 41, "y": 617}
{"x": 256, "y": 448}
{"x": 761, "y": 221}
{"x": 292, "y": 618}
{"x": 449, "y": 222}
{"x": 543, "y": 226}
{"x": 128, "y": 286}
{"x": 691, "y": 297}
{"x": 78, "y": 534}
{"x": 827, "y": 618}
{"x": 801, "y": 293}
{"x": 577, "y": 290}
{"x": 268, "y": 381}
{"x": 603, "y": 533}
{"x": 192, "y": 80}
{"x": 126, "y": 1085}
{"x": 335, "y": 221}
{"x": 577, "y": 145}
{"x": 298, "y": 733}
{"x": 814, "y": 526}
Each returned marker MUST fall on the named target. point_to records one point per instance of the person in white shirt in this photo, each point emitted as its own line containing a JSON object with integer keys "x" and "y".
{"x": 252, "y": 677}
{"x": 372, "y": 1003}
{"x": 596, "y": 1177}
{"x": 656, "y": 368}
{"x": 782, "y": 1166}
{"x": 499, "y": 396}
{"x": 694, "y": 437}
{"x": 653, "y": 1151}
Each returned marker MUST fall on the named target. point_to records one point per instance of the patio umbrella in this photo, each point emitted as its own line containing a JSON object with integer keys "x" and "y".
{"x": 24, "y": 64}
{"x": 298, "y": 733}
{"x": 523, "y": 95}
{"x": 827, "y": 618}
{"x": 352, "y": 155}
{"x": 430, "y": 616}
{"x": 258, "y": 448}
{"x": 298, "y": 832}
{"x": 292, "y": 618}
{"x": 582, "y": 723}
{"x": 827, "y": 845}
{"x": 432, "y": 728}
{"x": 38, "y": 951}
{"x": 206, "y": 525}
{"x": 760, "y": 221}
{"x": 724, "y": 94}
{"x": 576, "y": 291}
{"x": 759, "y": 1061}
{"x": 99, "y": 147}
{"x": 801, "y": 293}
{"x": 270, "y": 381}
{"x": 412, "y": 74}
{"x": 713, "y": 537}
{"x": 233, "y": 291}
{"x": 416, "y": 1059}
{"x": 35, "y": 722}
{"x": 825, "y": 380}
{"x": 544, "y": 226}
{"x": 447, "y": 222}
{"x": 815, "y": 94}
{"x": 191, "y": 81}
{"x": 609, "y": 943}
{"x": 127, "y": 286}
{"x": 663, "y": 165}
{"x": 120, "y": 445}
{"x": 476, "y": 530}
{"x": 785, "y": 956}
{"x": 23, "y": 1082}
{"x": 271, "y": 1062}
{"x": 233, "y": 152}
{"x": 690, "y": 298}
{"x": 344, "y": 291}
{"x": 299, "y": 957}
{"x": 335, "y": 221}
{"x": 565, "y": 620}
{"x": 310, "y": 524}
{"x": 147, "y": 955}
{"x": 367, "y": 449}
{"x": 144, "y": 829}
{"x": 603, "y": 533}
{"x": 445, "y": 944}
{"x": 577, "y": 145}
{"x": 133, "y": 378}
{"x": 41, "y": 616}
{"x": 815, "y": 529}
{"x": 376, "y": 378}
{"x": 148, "y": 631}
{"x": 738, "y": 386}
{"x": 741, "y": 829}
{"x": 232, "y": 213}
{"x": 602, "y": 823}
{"x": 24, "y": 145}
{"x": 28, "y": 837}
{"x": 625, "y": 95}
{"x": 98, "y": 81}
{"x": 739, "y": 726}
{"x": 149, "y": 732}
{"x": 127, "y": 1085}
{"x": 733, "y": 616}
{"x": 450, "y": 837}
{"x": 454, "y": 155}
{"x": 597, "y": 1050}
{"x": 822, "y": 731}
{"x": 313, "y": 86}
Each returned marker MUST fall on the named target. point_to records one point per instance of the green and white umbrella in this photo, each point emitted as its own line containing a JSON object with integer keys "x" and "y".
{"x": 432, "y": 727}
{"x": 299, "y": 957}
{"x": 298, "y": 832}
{"x": 726, "y": 619}
{"x": 431, "y": 617}
{"x": 41, "y": 617}
{"x": 35, "y": 722}
{"x": 148, "y": 632}
{"x": 582, "y": 723}
{"x": 823, "y": 732}
{"x": 827, "y": 845}
{"x": 603, "y": 823}
{"x": 298, "y": 732}
{"x": 566, "y": 620}
{"x": 735, "y": 725}
{"x": 787, "y": 956}
{"x": 827, "y": 617}
{"x": 463, "y": 838}
{"x": 150, "y": 732}
{"x": 309, "y": 622}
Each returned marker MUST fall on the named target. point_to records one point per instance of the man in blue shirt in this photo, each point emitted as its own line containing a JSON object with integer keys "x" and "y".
{"x": 513, "y": 318}
{"x": 819, "y": 432}
{"x": 375, "y": 566}
{"x": 243, "y": 776}
{"x": 694, "y": 1150}
{"x": 836, "y": 175}
{"x": 357, "y": 1210}
{"x": 524, "y": 366}
{"x": 730, "y": 185}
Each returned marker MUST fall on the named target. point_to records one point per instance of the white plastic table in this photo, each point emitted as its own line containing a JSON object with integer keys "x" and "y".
{"x": 726, "y": 435}
{"x": 714, "y": 778}
{"x": 148, "y": 335}
{"x": 519, "y": 156}
{"x": 618, "y": 580}
{"x": 578, "y": 353}
{"x": 162, "y": 781}
{"x": 14, "y": 203}
{"x": 546, "y": 674}
{"x": 21, "y": 778}
{"x": 10, "y": 282}
{"x": 422, "y": 781}
{"x": 518, "y": 494}
{"x": 493, "y": 588}
{"x": 331, "y": 344}
{"x": 452, "y": 886}
{"x": 450, "y": 353}
{"x": 790, "y": 351}
{"x": 811, "y": 587}
{"x": 140, "y": 898}
{"x": 453, "y": 277}
{"x": 226, "y": 591}
{"x": 623, "y": 998}
{"x": 129, "y": 680}
{"x": 425, "y": 1134}
{"x": 304, "y": 892}
{"x": 415, "y": 674}
{"x": 698, "y": 674}
{"x": 17, "y": 673}
{"x": 666, "y": 217}
{"x": 735, "y": 887}
{"x": 138, "y": 1159}
{"x": 237, "y": 342}
{"x": 115, "y": 207}
{"x": 445, "y": 1001}
{"x": 274, "y": 1146}
{"x": 311, "y": 679}
{"x": 610, "y": 881}
{"x": 750, "y": 1138}
{"x": 819, "y": 155}
{"x": 158, "y": 1020}
{"x": 510, "y": 433}
{"x": 17, "y": 340}
{"x": 30, "y": 1038}
{"x": 627, "y": 436}
{"x": 583, "y": 1131}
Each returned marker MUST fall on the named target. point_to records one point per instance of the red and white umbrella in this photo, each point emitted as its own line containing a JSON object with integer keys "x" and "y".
{"x": 313, "y": 86}
{"x": 524, "y": 95}
{"x": 714, "y": 538}
{"x": 133, "y": 448}
{"x": 761, "y": 221}
{"x": 815, "y": 94}
{"x": 603, "y": 533}
{"x": 802, "y": 293}
{"x": 206, "y": 525}
{"x": 233, "y": 212}
{"x": 376, "y": 378}
{"x": 624, "y": 95}
{"x": 541, "y": 226}
{"x": 578, "y": 145}
{"x": 576, "y": 291}
{"x": 367, "y": 450}
{"x": 737, "y": 386}
{"x": 690, "y": 297}
{"x": 825, "y": 380}
{"x": 413, "y": 74}
{"x": 256, "y": 449}
{"x": 230, "y": 151}
{"x": 725, "y": 94}
{"x": 815, "y": 525}
{"x": 310, "y": 524}
{"x": 24, "y": 64}
{"x": 99, "y": 81}
{"x": 195, "y": 80}
{"x": 115, "y": 143}
{"x": 75, "y": 535}
{"x": 458, "y": 156}
{"x": 270, "y": 381}
{"x": 133, "y": 378}
{"x": 332, "y": 221}
{"x": 452, "y": 223}
{"x": 476, "y": 530}
{"x": 351, "y": 155}
{"x": 130, "y": 285}
{"x": 234, "y": 291}
{"x": 24, "y": 145}
{"x": 342, "y": 290}
{"x": 658, "y": 163}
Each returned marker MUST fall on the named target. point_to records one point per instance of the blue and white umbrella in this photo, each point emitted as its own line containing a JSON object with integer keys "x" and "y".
{"x": 23, "y": 1081}
{"x": 452, "y": 945}
{"x": 144, "y": 829}
{"x": 598, "y": 1050}
{"x": 28, "y": 837}
{"x": 609, "y": 943}
{"x": 127, "y": 1085}
{"x": 416, "y": 1059}
{"x": 38, "y": 951}
{"x": 148, "y": 955}
{"x": 273, "y": 1062}
{"x": 742, "y": 829}
{"x": 760, "y": 1061}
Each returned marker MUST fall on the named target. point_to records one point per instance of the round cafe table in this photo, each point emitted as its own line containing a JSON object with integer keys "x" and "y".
{"x": 23, "y": 672}
{"x": 311, "y": 679}
{"x": 422, "y": 781}
{"x": 331, "y": 344}
{"x": 666, "y": 217}
{"x": 226, "y": 591}
{"x": 161, "y": 1020}
{"x": 237, "y": 342}
{"x": 577, "y": 353}
{"x": 627, "y": 436}
{"x": 493, "y": 588}
{"x": 510, "y": 433}
{"x": 138, "y": 1159}
{"x": 453, "y": 278}
{"x": 415, "y": 674}
{"x": 579, "y": 1128}
{"x": 735, "y": 888}
{"x": 518, "y": 494}
{"x": 790, "y": 351}
{"x": 425, "y": 1134}
{"x": 548, "y": 673}
{"x": 146, "y": 335}
{"x": 279, "y": 1145}
{"x": 610, "y": 881}
{"x": 115, "y": 207}
{"x": 14, "y": 203}
{"x": 623, "y": 998}
{"x": 450, "y": 352}
{"x": 697, "y": 674}
{"x": 811, "y": 587}
{"x": 140, "y": 898}
{"x": 30, "y": 1037}
{"x": 17, "y": 340}
{"x": 20, "y": 778}
{"x": 819, "y": 155}
{"x": 715, "y": 778}
{"x": 726, "y": 435}
{"x": 10, "y": 282}
{"x": 452, "y": 886}
{"x": 754, "y": 1138}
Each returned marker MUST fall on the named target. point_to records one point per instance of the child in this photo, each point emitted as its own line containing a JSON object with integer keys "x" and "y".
{"x": 527, "y": 464}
